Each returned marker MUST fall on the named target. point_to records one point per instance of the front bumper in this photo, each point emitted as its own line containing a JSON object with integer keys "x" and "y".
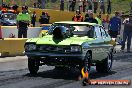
{"x": 41, "y": 54}
{"x": 55, "y": 59}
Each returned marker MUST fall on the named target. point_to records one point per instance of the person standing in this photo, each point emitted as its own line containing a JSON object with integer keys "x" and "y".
{"x": 43, "y": 4}
{"x": 95, "y": 3}
{"x": 102, "y": 7}
{"x": 44, "y": 18}
{"x": 115, "y": 25}
{"x": 69, "y": 5}
{"x": 35, "y": 5}
{"x": 91, "y": 19}
{"x": 105, "y": 21}
{"x": 48, "y": 16}
{"x": 84, "y": 5}
{"x": 33, "y": 18}
{"x": 73, "y": 4}
{"x": 23, "y": 21}
{"x": 78, "y": 17}
{"x": 127, "y": 33}
{"x": 90, "y": 5}
{"x": 62, "y": 5}
{"x": 109, "y": 6}
{"x": 98, "y": 18}
{"x": 80, "y": 4}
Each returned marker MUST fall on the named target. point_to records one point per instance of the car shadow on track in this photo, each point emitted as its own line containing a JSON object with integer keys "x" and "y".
{"x": 68, "y": 74}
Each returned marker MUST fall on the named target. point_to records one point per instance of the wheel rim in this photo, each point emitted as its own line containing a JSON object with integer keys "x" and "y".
{"x": 109, "y": 61}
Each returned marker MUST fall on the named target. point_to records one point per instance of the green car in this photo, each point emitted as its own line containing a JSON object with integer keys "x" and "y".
{"x": 71, "y": 44}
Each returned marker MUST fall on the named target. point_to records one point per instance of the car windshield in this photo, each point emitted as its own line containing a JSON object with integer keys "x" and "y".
{"x": 76, "y": 29}
{"x": 9, "y": 16}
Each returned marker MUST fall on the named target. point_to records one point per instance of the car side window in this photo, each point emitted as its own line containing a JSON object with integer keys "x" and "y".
{"x": 91, "y": 32}
{"x": 103, "y": 32}
{"x": 97, "y": 32}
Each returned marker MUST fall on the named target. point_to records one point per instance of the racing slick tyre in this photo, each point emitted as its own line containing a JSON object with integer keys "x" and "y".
{"x": 105, "y": 65}
{"x": 33, "y": 65}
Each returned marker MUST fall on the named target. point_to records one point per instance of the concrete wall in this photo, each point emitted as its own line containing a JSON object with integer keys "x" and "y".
{"x": 12, "y": 46}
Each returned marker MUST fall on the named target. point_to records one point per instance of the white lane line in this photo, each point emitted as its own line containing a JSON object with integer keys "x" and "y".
{"x": 8, "y": 59}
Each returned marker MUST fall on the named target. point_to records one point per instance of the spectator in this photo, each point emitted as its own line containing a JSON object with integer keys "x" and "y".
{"x": 33, "y": 18}
{"x": 98, "y": 18}
{"x": 78, "y": 17}
{"x": 80, "y": 4}
{"x": 44, "y": 19}
{"x": 87, "y": 14}
{"x": 73, "y": 3}
{"x": 105, "y": 22}
{"x": 15, "y": 7}
{"x": 127, "y": 34}
{"x": 109, "y": 6}
{"x": 43, "y": 4}
{"x": 35, "y": 5}
{"x": 69, "y": 5}
{"x": 84, "y": 5}
{"x": 23, "y": 20}
{"x": 47, "y": 17}
{"x": 95, "y": 3}
{"x": 62, "y": 5}
{"x": 38, "y": 5}
{"x": 102, "y": 7}
{"x": 115, "y": 25}
{"x": 89, "y": 5}
{"x": 91, "y": 19}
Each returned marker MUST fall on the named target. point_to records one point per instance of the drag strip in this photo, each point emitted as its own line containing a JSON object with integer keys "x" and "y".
{"x": 48, "y": 77}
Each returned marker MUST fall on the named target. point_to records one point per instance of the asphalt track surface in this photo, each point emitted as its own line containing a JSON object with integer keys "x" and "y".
{"x": 14, "y": 74}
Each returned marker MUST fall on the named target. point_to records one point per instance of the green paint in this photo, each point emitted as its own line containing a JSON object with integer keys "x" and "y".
{"x": 68, "y": 41}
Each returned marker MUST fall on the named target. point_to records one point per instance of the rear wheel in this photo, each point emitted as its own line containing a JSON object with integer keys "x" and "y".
{"x": 33, "y": 65}
{"x": 105, "y": 65}
{"x": 86, "y": 64}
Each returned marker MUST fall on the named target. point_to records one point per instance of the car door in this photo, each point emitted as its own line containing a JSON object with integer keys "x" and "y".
{"x": 97, "y": 44}
{"x": 105, "y": 46}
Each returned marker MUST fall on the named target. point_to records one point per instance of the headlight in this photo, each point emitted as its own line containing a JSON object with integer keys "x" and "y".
{"x": 30, "y": 47}
{"x": 76, "y": 49}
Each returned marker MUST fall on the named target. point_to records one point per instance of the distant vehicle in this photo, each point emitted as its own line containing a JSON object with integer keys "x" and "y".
{"x": 71, "y": 44}
{"x": 8, "y": 19}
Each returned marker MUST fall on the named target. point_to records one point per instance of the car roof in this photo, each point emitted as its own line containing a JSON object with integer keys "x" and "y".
{"x": 79, "y": 23}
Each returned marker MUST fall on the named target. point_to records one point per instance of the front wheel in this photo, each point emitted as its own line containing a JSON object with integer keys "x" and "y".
{"x": 105, "y": 65}
{"x": 33, "y": 65}
{"x": 86, "y": 64}
{"x": 87, "y": 61}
